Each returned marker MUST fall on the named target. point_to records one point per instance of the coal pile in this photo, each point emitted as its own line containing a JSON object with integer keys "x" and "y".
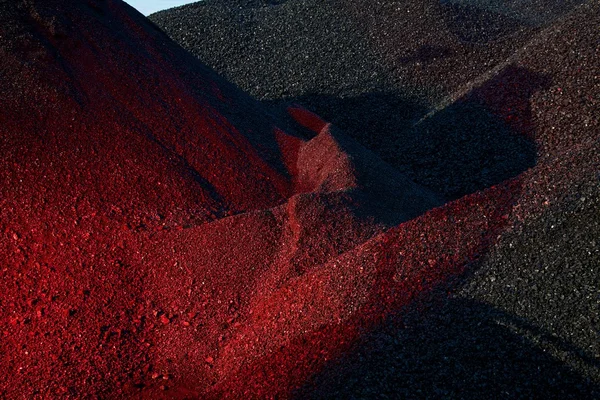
{"x": 421, "y": 225}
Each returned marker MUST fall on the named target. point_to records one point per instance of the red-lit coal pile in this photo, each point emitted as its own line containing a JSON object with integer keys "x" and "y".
{"x": 164, "y": 236}
{"x": 459, "y": 95}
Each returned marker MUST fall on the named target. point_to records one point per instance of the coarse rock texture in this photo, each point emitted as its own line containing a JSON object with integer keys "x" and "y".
{"x": 166, "y": 236}
{"x": 375, "y": 68}
{"x": 458, "y": 95}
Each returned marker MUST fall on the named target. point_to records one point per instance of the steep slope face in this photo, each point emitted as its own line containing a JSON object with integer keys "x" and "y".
{"x": 524, "y": 321}
{"x": 105, "y": 95}
{"x": 104, "y": 132}
{"x": 375, "y": 68}
{"x": 344, "y": 48}
{"x": 162, "y": 237}
{"x": 144, "y": 201}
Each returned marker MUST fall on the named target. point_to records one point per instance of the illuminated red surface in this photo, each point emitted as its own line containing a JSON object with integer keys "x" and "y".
{"x": 162, "y": 238}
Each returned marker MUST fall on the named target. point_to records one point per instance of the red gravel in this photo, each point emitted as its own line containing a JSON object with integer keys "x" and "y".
{"x": 162, "y": 238}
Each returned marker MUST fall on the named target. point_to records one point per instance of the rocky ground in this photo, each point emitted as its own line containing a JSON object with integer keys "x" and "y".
{"x": 459, "y": 95}
{"x": 431, "y": 231}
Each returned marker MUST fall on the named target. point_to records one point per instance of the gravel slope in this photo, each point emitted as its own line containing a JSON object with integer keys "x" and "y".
{"x": 506, "y": 92}
{"x": 375, "y": 69}
{"x": 164, "y": 235}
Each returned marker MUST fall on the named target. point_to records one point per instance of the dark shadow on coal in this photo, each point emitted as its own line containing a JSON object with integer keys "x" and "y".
{"x": 472, "y": 24}
{"x": 426, "y": 54}
{"x": 457, "y": 349}
{"x": 476, "y": 142}
{"x": 484, "y": 21}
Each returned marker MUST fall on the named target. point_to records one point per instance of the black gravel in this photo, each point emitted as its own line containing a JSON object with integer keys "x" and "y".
{"x": 460, "y": 95}
{"x": 374, "y": 69}
{"x": 526, "y": 325}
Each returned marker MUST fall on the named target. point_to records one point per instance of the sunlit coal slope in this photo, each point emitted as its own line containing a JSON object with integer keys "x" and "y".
{"x": 163, "y": 237}
{"x": 505, "y": 86}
